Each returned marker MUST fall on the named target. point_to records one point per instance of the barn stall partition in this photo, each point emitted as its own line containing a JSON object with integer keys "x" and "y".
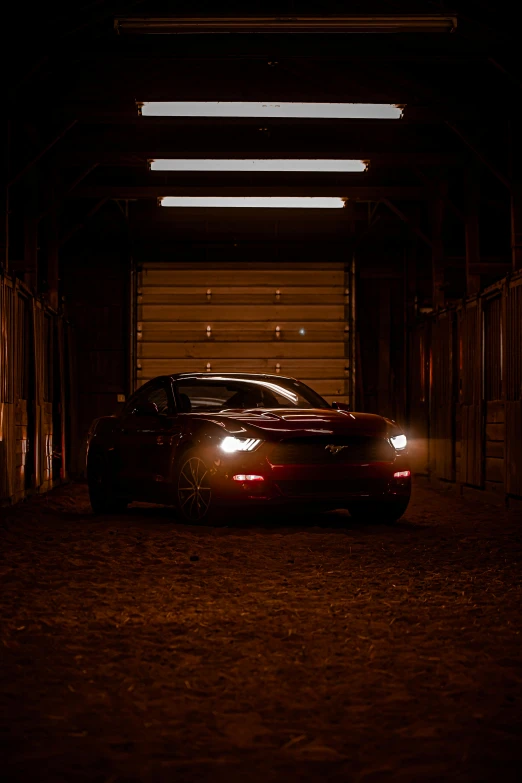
{"x": 475, "y": 398}
{"x": 513, "y": 386}
{"x": 418, "y": 381}
{"x": 443, "y": 397}
{"x": 33, "y": 380}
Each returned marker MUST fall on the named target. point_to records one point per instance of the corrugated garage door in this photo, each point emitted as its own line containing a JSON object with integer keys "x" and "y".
{"x": 290, "y": 319}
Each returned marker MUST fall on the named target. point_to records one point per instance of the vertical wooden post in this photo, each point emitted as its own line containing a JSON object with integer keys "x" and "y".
{"x": 472, "y": 228}
{"x": 52, "y": 257}
{"x": 64, "y": 413}
{"x": 516, "y": 225}
{"x": 30, "y": 268}
{"x": 410, "y": 282}
{"x": 353, "y": 366}
{"x": 410, "y": 292}
{"x": 4, "y": 196}
{"x": 383, "y": 392}
{"x": 437, "y": 253}
{"x": 514, "y": 129}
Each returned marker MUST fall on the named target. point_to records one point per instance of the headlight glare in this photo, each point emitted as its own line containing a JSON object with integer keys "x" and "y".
{"x": 230, "y": 445}
{"x": 399, "y": 442}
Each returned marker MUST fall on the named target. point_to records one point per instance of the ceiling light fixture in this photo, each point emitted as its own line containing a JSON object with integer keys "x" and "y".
{"x": 286, "y": 202}
{"x": 265, "y": 164}
{"x": 357, "y": 23}
{"x": 327, "y": 111}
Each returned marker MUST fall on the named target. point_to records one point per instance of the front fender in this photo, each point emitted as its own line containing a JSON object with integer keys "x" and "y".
{"x": 101, "y": 434}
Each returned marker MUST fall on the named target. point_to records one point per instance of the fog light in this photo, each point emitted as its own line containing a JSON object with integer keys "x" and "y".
{"x": 247, "y": 477}
{"x": 402, "y": 474}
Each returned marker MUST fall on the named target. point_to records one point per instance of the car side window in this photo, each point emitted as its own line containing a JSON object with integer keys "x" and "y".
{"x": 160, "y": 398}
{"x": 155, "y": 393}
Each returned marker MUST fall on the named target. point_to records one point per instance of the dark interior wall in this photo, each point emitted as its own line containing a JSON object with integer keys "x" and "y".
{"x": 95, "y": 276}
{"x": 380, "y": 304}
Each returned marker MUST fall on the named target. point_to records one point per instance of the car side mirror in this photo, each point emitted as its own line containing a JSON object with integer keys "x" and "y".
{"x": 146, "y": 409}
{"x": 341, "y": 406}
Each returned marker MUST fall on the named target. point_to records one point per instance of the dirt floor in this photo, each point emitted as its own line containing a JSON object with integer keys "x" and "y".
{"x": 135, "y": 649}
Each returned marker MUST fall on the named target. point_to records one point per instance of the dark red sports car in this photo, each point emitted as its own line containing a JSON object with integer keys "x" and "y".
{"x": 201, "y": 441}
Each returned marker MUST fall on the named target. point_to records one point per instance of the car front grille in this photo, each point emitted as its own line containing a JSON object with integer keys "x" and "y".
{"x": 331, "y": 489}
{"x": 318, "y": 451}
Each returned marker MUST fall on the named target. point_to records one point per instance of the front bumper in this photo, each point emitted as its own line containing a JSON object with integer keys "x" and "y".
{"x": 325, "y": 484}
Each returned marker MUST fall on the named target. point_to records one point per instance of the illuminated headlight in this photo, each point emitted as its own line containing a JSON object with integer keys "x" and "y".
{"x": 231, "y": 445}
{"x": 399, "y": 442}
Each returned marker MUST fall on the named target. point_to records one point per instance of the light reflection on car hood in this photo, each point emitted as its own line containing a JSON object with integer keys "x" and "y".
{"x": 285, "y": 422}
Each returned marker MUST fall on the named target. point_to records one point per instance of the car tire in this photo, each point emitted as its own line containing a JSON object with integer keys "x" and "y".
{"x": 193, "y": 488}
{"x": 386, "y": 511}
{"x": 101, "y": 495}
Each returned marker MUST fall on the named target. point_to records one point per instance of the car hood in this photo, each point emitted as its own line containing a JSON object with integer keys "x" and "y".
{"x": 285, "y": 423}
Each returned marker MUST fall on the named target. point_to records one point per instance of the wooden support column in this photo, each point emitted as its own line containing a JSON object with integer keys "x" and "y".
{"x": 410, "y": 283}
{"x": 410, "y": 293}
{"x": 29, "y": 270}
{"x": 516, "y": 226}
{"x": 383, "y": 392}
{"x": 4, "y": 195}
{"x": 437, "y": 252}
{"x": 472, "y": 229}
{"x": 515, "y": 154}
{"x": 53, "y": 269}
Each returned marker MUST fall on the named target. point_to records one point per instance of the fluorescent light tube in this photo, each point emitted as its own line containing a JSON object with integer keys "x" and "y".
{"x": 356, "y": 23}
{"x": 292, "y": 202}
{"x": 340, "y": 111}
{"x": 272, "y": 164}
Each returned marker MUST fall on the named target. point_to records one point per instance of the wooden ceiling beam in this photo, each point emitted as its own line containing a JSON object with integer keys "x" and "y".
{"x": 408, "y": 221}
{"x": 481, "y": 155}
{"x": 287, "y": 25}
{"x": 356, "y": 193}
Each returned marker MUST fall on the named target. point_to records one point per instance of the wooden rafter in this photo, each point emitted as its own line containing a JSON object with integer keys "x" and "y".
{"x": 484, "y": 159}
{"x": 411, "y": 225}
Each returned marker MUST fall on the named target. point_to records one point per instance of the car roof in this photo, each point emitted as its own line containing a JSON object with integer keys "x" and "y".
{"x": 239, "y": 375}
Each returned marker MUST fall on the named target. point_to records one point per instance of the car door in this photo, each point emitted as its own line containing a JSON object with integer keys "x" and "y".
{"x": 158, "y": 443}
{"x": 146, "y": 441}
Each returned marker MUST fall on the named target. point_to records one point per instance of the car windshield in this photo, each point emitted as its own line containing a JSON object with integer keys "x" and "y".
{"x": 227, "y": 393}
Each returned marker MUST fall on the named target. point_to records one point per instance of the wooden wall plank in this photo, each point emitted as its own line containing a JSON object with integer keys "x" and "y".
{"x": 495, "y": 449}
{"x": 242, "y": 276}
{"x": 514, "y": 447}
{"x": 495, "y": 432}
{"x": 494, "y": 469}
{"x": 472, "y": 468}
{"x": 240, "y": 312}
{"x": 249, "y": 333}
{"x": 495, "y": 411}
{"x": 312, "y": 369}
{"x": 335, "y": 329}
{"x": 239, "y": 350}
{"x": 442, "y": 410}
{"x": 181, "y": 299}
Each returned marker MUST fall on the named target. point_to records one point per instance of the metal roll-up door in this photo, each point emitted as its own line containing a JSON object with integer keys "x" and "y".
{"x": 287, "y": 319}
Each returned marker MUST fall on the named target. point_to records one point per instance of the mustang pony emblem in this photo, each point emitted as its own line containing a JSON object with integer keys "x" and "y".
{"x": 334, "y": 449}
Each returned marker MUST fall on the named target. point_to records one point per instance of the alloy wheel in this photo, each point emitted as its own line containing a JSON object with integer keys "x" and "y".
{"x": 194, "y": 492}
